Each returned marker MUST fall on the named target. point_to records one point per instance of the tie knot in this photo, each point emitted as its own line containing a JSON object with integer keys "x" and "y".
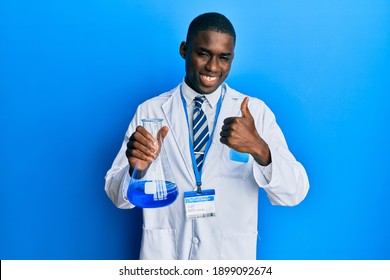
{"x": 199, "y": 101}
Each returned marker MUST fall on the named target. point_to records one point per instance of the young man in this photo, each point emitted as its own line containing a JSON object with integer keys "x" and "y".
{"x": 232, "y": 123}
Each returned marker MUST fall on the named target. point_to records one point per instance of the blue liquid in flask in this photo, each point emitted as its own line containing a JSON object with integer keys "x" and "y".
{"x": 158, "y": 198}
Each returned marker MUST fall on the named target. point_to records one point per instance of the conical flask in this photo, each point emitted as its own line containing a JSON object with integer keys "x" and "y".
{"x": 152, "y": 185}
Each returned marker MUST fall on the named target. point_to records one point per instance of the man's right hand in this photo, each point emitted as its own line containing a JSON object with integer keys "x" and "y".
{"x": 143, "y": 148}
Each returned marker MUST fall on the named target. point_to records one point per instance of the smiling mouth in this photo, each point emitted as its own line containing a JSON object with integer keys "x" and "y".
{"x": 208, "y": 80}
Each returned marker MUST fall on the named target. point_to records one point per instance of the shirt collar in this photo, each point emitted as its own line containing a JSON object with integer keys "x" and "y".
{"x": 189, "y": 95}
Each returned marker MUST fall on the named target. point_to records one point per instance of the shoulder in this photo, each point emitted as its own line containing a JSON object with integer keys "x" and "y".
{"x": 237, "y": 96}
{"x": 162, "y": 98}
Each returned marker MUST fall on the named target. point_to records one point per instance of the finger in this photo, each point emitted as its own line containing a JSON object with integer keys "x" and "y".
{"x": 134, "y": 148}
{"x": 137, "y": 154}
{"x": 161, "y": 135}
{"x": 162, "y": 132}
{"x": 224, "y": 140}
{"x": 226, "y": 127}
{"x": 229, "y": 120}
{"x": 244, "y": 108}
{"x": 224, "y": 134}
{"x": 142, "y": 136}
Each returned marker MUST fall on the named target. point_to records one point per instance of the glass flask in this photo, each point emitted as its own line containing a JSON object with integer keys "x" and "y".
{"x": 152, "y": 185}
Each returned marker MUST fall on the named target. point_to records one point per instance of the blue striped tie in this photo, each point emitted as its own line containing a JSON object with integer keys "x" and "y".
{"x": 200, "y": 131}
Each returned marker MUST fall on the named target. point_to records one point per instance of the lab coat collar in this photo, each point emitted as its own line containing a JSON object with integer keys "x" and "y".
{"x": 189, "y": 95}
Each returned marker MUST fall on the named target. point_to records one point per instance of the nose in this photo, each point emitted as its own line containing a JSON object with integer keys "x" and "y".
{"x": 212, "y": 64}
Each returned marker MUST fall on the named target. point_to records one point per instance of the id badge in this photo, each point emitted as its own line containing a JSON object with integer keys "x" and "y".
{"x": 199, "y": 205}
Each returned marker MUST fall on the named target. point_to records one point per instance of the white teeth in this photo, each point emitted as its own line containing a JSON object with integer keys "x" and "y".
{"x": 208, "y": 78}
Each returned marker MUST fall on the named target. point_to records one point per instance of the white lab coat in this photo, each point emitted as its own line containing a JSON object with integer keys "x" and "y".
{"x": 232, "y": 233}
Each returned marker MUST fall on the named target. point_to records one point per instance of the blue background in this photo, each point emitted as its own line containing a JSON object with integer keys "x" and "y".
{"x": 72, "y": 73}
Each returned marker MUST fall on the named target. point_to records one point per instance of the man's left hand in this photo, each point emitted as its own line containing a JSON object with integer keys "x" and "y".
{"x": 240, "y": 134}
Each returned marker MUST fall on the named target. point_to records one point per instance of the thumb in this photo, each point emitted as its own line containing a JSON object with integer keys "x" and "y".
{"x": 161, "y": 135}
{"x": 162, "y": 132}
{"x": 244, "y": 108}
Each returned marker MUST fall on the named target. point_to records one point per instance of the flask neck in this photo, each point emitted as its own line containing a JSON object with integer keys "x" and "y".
{"x": 153, "y": 126}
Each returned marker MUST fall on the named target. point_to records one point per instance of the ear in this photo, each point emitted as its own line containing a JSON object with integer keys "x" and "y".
{"x": 183, "y": 49}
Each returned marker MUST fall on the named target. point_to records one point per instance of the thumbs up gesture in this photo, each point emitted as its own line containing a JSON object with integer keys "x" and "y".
{"x": 240, "y": 134}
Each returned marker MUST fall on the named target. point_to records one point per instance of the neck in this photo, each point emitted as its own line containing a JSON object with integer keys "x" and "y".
{"x": 188, "y": 82}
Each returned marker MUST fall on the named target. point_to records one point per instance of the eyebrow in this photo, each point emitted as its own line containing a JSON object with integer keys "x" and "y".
{"x": 208, "y": 51}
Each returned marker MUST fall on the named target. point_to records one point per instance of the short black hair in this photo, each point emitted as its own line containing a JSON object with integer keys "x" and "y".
{"x": 210, "y": 22}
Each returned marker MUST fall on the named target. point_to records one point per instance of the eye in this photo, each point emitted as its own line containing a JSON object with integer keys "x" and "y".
{"x": 203, "y": 54}
{"x": 224, "y": 58}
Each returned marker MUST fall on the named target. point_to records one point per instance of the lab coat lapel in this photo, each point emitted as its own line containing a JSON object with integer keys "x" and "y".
{"x": 176, "y": 119}
{"x": 231, "y": 107}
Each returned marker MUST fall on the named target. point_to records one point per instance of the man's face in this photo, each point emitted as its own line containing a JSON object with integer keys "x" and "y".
{"x": 208, "y": 58}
